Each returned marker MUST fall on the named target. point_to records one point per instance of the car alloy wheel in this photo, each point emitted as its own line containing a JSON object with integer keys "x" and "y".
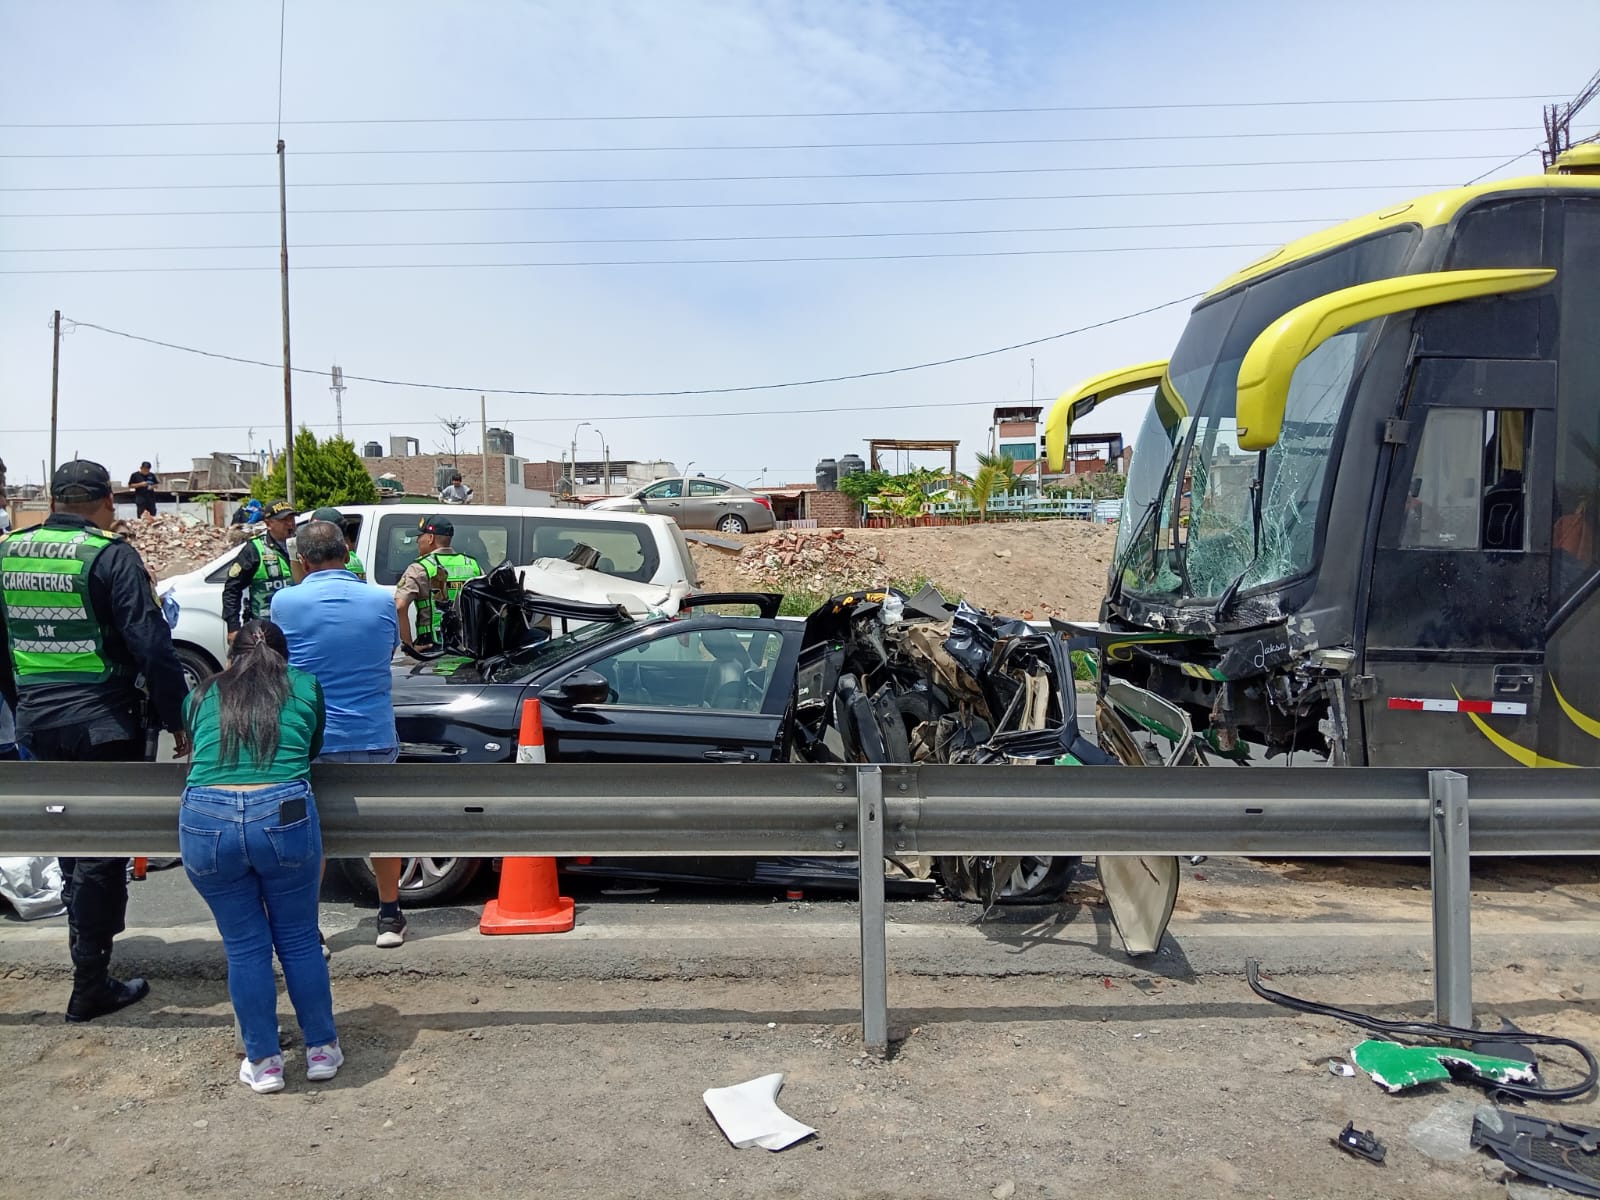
{"x": 732, "y": 523}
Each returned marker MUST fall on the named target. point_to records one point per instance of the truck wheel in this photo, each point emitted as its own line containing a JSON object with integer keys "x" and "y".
{"x": 422, "y": 880}
{"x": 196, "y": 663}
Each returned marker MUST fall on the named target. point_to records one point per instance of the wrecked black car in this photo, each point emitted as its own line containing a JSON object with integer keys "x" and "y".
{"x": 873, "y": 676}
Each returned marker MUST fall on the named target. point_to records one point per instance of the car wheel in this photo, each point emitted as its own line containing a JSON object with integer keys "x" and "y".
{"x": 732, "y": 523}
{"x": 196, "y": 664}
{"x": 422, "y": 880}
{"x": 1032, "y": 879}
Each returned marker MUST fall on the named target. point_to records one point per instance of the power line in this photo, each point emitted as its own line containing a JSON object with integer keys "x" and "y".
{"x": 757, "y": 237}
{"x": 730, "y": 204}
{"x": 1342, "y": 102}
{"x": 718, "y": 391}
{"x": 636, "y": 262}
{"x": 440, "y": 183}
{"x": 1501, "y": 166}
{"x": 1053, "y": 141}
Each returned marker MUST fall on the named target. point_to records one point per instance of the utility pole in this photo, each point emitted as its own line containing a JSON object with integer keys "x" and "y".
{"x": 1038, "y": 459}
{"x": 338, "y": 397}
{"x": 288, "y": 376}
{"x": 1558, "y": 120}
{"x": 483, "y": 423}
{"x": 55, "y": 381}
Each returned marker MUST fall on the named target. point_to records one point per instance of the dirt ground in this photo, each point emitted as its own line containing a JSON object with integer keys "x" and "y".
{"x": 1049, "y": 568}
{"x": 480, "y": 1087}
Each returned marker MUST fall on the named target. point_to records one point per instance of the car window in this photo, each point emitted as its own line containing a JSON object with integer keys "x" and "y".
{"x": 625, "y": 549}
{"x": 667, "y": 489}
{"x": 488, "y": 540}
{"x": 720, "y": 669}
{"x": 705, "y": 487}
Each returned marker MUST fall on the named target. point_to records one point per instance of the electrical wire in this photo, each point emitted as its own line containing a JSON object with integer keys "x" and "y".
{"x": 719, "y": 391}
{"x": 758, "y": 237}
{"x": 732, "y": 204}
{"x": 1300, "y": 135}
{"x": 1437, "y": 1032}
{"x": 1343, "y": 102}
{"x": 442, "y": 183}
{"x": 639, "y": 262}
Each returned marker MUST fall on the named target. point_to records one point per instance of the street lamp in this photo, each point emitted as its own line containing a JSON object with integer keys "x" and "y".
{"x": 574, "y": 454}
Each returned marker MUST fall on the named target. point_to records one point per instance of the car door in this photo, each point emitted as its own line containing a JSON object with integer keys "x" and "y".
{"x": 707, "y": 689}
{"x": 665, "y": 498}
{"x": 708, "y": 501}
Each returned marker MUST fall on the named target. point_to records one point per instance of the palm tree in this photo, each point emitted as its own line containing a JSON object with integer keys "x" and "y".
{"x": 991, "y": 478}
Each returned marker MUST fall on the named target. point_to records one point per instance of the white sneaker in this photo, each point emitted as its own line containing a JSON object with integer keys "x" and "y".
{"x": 264, "y": 1076}
{"x": 323, "y": 1062}
{"x": 391, "y": 931}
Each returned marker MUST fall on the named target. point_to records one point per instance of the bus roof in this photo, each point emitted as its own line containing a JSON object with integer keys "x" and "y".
{"x": 1427, "y": 211}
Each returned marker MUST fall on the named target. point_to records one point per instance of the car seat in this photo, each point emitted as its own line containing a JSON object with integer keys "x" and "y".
{"x": 1502, "y": 515}
{"x": 725, "y": 681}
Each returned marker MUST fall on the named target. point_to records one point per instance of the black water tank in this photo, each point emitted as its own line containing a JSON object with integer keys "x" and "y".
{"x": 827, "y": 475}
{"x": 372, "y": 450}
{"x": 501, "y": 442}
{"x": 851, "y": 464}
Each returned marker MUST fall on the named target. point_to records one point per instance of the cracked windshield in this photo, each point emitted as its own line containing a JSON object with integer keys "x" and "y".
{"x": 1189, "y": 529}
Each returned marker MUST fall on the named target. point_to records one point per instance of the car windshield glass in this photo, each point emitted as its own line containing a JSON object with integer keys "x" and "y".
{"x": 1199, "y": 536}
{"x": 522, "y": 663}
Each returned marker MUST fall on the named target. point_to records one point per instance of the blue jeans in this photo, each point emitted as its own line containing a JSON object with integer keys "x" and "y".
{"x": 260, "y": 875}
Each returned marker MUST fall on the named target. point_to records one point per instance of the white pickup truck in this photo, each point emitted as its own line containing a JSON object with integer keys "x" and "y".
{"x": 644, "y": 549}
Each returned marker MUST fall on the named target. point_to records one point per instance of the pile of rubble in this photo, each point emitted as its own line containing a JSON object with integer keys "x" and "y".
{"x": 171, "y": 544}
{"x": 824, "y": 561}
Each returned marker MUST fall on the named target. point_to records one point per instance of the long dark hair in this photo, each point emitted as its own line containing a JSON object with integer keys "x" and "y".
{"x": 251, "y": 692}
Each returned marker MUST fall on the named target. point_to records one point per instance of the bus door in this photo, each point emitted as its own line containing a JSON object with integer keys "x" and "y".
{"x": 1454, "y": 631}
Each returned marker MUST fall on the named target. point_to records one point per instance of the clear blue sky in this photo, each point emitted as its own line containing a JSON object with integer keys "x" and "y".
{"x": 646, "y": 328}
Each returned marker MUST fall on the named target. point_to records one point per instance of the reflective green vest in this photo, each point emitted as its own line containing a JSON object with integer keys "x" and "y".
{"x": 272, "y": 574}
{"x": 356, "y": 567}
{"x": 456, "y": 569}
{"x": 44, "y": 588}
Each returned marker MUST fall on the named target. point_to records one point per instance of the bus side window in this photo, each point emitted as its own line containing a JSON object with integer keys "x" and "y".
{"x": 1468, "y": 488}
{"x": 1575, "y": 539}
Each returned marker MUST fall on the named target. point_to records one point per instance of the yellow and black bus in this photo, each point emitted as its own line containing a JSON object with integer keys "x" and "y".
{"x": 1362, "y": 522}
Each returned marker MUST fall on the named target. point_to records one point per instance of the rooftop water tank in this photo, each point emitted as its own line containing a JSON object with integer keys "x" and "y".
{"x": 501, "y": 442}
{"x": 851, "y": 464}
{"x": 827, "y": 475}
{"x": 372, "y": 450}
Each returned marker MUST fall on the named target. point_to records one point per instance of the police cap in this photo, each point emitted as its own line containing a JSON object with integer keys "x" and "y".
{"x": 80, "y": 482}
{"x": 440, "y": 526}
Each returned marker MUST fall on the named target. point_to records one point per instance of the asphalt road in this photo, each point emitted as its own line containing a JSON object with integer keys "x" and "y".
{"x": 1321, "y": 920}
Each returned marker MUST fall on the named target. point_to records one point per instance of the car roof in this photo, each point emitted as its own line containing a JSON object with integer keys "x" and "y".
{"x": 502, "y": 510}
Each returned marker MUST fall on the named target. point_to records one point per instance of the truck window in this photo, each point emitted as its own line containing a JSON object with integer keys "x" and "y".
{"x": 488, "y": 540}
{"x": 625, "y": 549}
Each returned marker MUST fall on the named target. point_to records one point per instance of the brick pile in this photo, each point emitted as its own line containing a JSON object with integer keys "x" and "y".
{"x": 171, "y": 544}
{"x": 821, "y": 561}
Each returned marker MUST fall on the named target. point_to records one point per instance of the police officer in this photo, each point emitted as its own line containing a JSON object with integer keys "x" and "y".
{"x": 432, "y": 583}
{"x": 261, "y": 567}
{"x": 333, "y": 516}
{"x": 79, "y": 623}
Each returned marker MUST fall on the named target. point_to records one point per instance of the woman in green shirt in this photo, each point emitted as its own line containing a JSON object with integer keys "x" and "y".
{"x": 252, "y": 846}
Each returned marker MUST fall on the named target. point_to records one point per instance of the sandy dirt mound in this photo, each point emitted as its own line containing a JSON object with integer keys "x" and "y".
{"x": 1043, "y": 568}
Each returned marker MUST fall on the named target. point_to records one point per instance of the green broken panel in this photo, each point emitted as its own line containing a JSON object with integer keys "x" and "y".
{"x": 446, "y": 667}
{"x": 1396, "y": 1067}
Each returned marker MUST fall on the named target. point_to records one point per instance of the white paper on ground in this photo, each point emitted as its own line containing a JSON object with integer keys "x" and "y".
{"x": 749, "y": 1114}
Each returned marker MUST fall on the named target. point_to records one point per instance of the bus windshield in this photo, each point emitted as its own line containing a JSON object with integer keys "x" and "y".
{"x": 1189, "y": 527}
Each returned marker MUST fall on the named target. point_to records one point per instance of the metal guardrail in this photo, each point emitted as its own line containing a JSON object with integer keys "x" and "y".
{"x": 864, "y": 811}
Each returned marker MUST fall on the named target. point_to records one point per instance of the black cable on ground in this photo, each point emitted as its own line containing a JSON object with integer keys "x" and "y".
{"x": 1436, "y": 1032}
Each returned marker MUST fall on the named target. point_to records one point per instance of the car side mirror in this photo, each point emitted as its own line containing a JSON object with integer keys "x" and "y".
{"x": 581, "y": 687}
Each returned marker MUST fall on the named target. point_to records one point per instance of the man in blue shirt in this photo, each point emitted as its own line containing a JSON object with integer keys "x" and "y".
{"x": 345, "y": 634}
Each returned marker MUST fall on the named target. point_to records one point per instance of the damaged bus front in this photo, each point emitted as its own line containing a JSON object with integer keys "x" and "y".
{"x": 1359, "y": 524}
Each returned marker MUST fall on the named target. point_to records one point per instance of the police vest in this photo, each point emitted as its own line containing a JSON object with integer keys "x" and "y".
{"x": 450, "y": 570}
{"x": 44, "y": 588}
{"x": 356, "y": 567}
{"x": 272, "y": 574}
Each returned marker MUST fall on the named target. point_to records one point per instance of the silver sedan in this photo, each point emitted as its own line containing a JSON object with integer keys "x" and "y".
{"x": 699, "y": 503}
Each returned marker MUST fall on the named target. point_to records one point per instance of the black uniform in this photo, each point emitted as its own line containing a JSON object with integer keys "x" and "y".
{"x": 101, "y": 722}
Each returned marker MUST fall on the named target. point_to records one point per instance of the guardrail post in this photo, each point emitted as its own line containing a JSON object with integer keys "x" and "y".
{"x": 1452, "y": 899}
{"x": 874, "y": 948}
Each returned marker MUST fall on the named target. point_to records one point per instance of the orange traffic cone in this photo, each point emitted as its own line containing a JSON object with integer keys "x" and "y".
{"x": 530, "y": 900}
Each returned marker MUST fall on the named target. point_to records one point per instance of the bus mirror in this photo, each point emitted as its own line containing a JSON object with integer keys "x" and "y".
{"x": 1082, "y": 400}
{"x": 1269, "y": 365}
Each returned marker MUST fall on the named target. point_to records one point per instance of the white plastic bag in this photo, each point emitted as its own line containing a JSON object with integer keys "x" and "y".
{"x": 33, "y": 885}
